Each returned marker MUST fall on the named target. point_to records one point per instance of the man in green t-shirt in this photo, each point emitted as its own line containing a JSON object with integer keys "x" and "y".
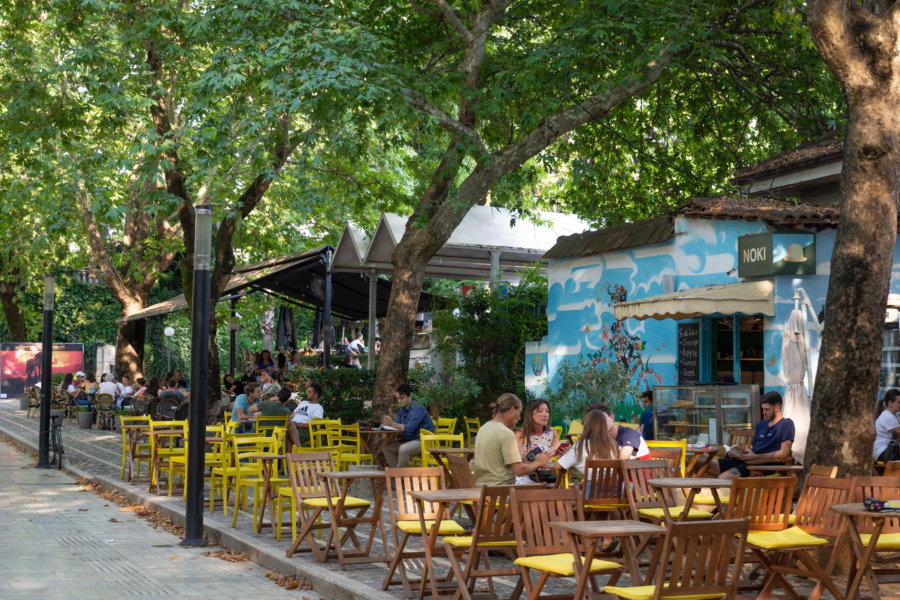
{"x": 497, "y": 458}
{"x": 273, "y": 406}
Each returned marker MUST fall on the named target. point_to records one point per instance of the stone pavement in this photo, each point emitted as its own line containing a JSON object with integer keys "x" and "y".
{"x": 97, "y": 455}
{"x": 59, "y": 541}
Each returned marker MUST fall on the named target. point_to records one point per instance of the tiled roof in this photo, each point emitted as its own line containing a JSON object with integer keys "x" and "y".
{"x": 778, "y": 214}
{"x": 810, "y": 154}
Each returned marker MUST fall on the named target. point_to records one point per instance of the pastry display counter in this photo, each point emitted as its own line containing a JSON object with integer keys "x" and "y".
{"x": 703, "y": 414}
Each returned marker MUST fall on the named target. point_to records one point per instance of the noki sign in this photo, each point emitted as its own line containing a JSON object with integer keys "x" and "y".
{"x": 755, "y": 255}
{"x": 776, "y": 254}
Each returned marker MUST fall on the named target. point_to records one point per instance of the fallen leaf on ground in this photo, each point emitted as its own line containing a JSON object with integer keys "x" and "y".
{"x": 289, "y": 582}
{"x": 113, "y": 520}
{"x": 82, "y": 510}
{"x": 228, "y": 555}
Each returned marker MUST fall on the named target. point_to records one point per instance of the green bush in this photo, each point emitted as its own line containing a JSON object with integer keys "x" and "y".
{"x": 580, "y": 384}
{"x": 451, "y": 394}
{"x": 346, "y": 393}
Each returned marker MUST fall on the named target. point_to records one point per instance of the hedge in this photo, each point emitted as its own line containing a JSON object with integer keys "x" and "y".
{"x": 346, "y": 393}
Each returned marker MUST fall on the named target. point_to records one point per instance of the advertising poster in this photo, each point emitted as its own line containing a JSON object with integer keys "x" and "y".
{"x": 20, "y": 364}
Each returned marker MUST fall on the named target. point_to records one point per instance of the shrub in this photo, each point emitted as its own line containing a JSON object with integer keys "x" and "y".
{"x": 581, "y": 383}
{"x": 451, "y": 393}
{"x": 346, "y": 393}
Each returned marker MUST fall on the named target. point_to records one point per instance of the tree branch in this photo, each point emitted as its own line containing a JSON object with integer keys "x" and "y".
{"x": 454, "y": 20}
{"x": 447, "y": 122}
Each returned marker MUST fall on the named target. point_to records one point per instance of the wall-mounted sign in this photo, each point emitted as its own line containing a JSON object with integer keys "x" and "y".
{"x": 762, "y": 254}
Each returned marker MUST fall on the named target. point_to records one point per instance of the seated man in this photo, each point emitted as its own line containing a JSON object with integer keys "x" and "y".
{"x": 497, "y": 459}
{"x": 273, "y": 405}
{"x": 268, "y": 384}
{"x": 243, "y": 407}
{"x": 772, "y": 440}
{"x": 298, "y": 426}
{"x": 411, "y": 419}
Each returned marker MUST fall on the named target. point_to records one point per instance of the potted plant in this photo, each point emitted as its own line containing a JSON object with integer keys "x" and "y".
{"x": 85, "y": 417}
{"x": 122, "y": 412}
{"x": 24, "y": 402}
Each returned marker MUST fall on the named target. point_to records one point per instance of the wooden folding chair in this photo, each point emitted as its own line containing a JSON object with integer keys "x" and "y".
{"x": 493, "y": 531}
{"x": 461, "y": 477}
{"x": 881, "y": 488}
{"x": 699, "y": 560}
{"x": 603, "y": 489}
{"x": 547, "y": 549}
{"x": 405, "y": 518}
{"x": 816, "y": 526}
{"x": 648, "y": 504}
{"x": 892, "y": 469}
{"x": 673, "y": 451}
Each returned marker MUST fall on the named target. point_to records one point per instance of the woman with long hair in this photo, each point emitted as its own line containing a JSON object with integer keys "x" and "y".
{"x": 153, "y": 387}
{"x": 595, "y": 443}
{"x": 537, "y": 433}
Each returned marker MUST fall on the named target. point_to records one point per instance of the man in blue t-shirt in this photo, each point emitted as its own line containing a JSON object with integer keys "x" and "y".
{"x": 411, "y": 418}
{"x": 772, "y": 440}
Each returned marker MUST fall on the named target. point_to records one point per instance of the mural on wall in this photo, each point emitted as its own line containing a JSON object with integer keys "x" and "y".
{"x": 583, "y": 291}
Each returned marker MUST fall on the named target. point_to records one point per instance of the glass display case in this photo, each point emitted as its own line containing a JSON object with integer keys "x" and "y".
{"x": 703, "y": 413}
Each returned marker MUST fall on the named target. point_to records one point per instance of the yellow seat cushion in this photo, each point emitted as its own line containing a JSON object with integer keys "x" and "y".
{"x": 792, "y": 537}
{"x": 464, "y": 541}
{"x": 562, "y": 564}
{"x": 605, "y": 506}
{"x": 645, "y": 592}
{"x": 448, "y": 527}
{"x": 889, "y": 541}
{"x": 349, "y": 502}
{"x": 659, "y": 513}
{"x": 708, "y": 499}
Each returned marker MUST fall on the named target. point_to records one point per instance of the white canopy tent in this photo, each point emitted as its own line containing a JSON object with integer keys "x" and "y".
{"x": 490, "y": 243}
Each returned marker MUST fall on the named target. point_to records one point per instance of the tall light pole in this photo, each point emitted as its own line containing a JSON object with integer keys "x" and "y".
{"x": 168, "y": 332}
{"x": 193, "y": 521}
{"x": 46, "y": 373}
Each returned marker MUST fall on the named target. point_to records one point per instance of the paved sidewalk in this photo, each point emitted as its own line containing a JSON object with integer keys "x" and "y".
{"x": 58, "y": 540}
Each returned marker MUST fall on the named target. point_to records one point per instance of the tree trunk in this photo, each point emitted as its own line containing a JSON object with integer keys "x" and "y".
{"x": 399, "y": 325}
{"x": 859, "y": 48}
{"x": 130, "y": 348}
{"x": 15, "y": 320}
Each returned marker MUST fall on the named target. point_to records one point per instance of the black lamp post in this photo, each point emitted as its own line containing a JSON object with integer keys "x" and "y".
{"x": 193, "y": 528}
{"x": 46, "y": 374}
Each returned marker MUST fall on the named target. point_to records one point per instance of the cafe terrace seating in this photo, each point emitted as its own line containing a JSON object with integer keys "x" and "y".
{"x": 546, "y": 549}
{"x": 700, "y": 561}
{"x": 815, "y": 526}
{"x": 405, "y": 522}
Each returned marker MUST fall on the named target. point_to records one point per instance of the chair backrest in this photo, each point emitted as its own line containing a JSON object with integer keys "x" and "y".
{"x": 704, "y": 559}
{"x": 603, "y": 483}
{"x": 460, "y": 473}
{"x": 740, "y": 437}
{"x": 318, "y": 432}
{"x": 212, "y": 414}
{"x": 400, "y": 482}
{"x": 766, "y": 501}
{"x": 433, "y": 440}
{"x": 640, "y": 493}
{"x": 144, "y": 422}
{"x": 139, "y": 405}
{"x": 445, "y": 426}
{"x": 167, "y": 407}
{"x": 265, "y": 425}
{"x": 576, "y": 426}
{"x": 672, "y": 451}
{"x": 104, "y": 402}
{"x": 628, "y": 424}
{"x": 813, "y": 513}
{"x": 494, "y": 520}
{"x": 153, "y": 407}
{"x": 473, "y": 424}
{"x": 891, "y": 468}
{"x": 183, "y": 411}
{"x": 534, "y": 509}
{"x": 880, "y": 488}
{"x": 303, "y": 469}
{"x": 823, "y": 471}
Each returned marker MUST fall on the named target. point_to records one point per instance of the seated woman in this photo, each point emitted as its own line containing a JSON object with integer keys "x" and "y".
{"x": 74, "y": 391}
{"x": 535, "y": 433}
{"x": 595, "y": 443}
{"x": 886, "y": 425}
{"x": 264, "y": 363}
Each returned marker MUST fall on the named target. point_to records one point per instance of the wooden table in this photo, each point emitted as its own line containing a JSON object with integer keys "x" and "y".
{"x": 335, "y": 544}
{"x": 365, "y": 438}
{"x": 156, "y": 438}
{"x": 267, "y": 460}
{"x": 133, "y": 433}
{"x": 694, "y": 484}
{"x": 781, "y": 469}
{"x": 864, "y": 553}
{"x": 588, "y": 534}
{"x": 443, "y": 498}
{"x": 699, "y": 460}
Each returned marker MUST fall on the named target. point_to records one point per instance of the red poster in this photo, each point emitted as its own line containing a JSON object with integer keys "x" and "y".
{"x": 20, "y": 364}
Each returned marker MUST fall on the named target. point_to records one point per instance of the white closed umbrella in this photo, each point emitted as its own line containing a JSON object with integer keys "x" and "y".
{"x": 796, "y": 400}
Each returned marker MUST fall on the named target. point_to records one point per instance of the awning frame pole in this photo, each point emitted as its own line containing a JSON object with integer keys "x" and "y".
{"x": 373, "y": 300}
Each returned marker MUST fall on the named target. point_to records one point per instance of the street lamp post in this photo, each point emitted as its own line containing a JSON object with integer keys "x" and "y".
{"x": 46, "y": 373}
{"x": 233, "y": 325}
{"x": 193, "y": 522}
{"x": 169, "y": 332}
